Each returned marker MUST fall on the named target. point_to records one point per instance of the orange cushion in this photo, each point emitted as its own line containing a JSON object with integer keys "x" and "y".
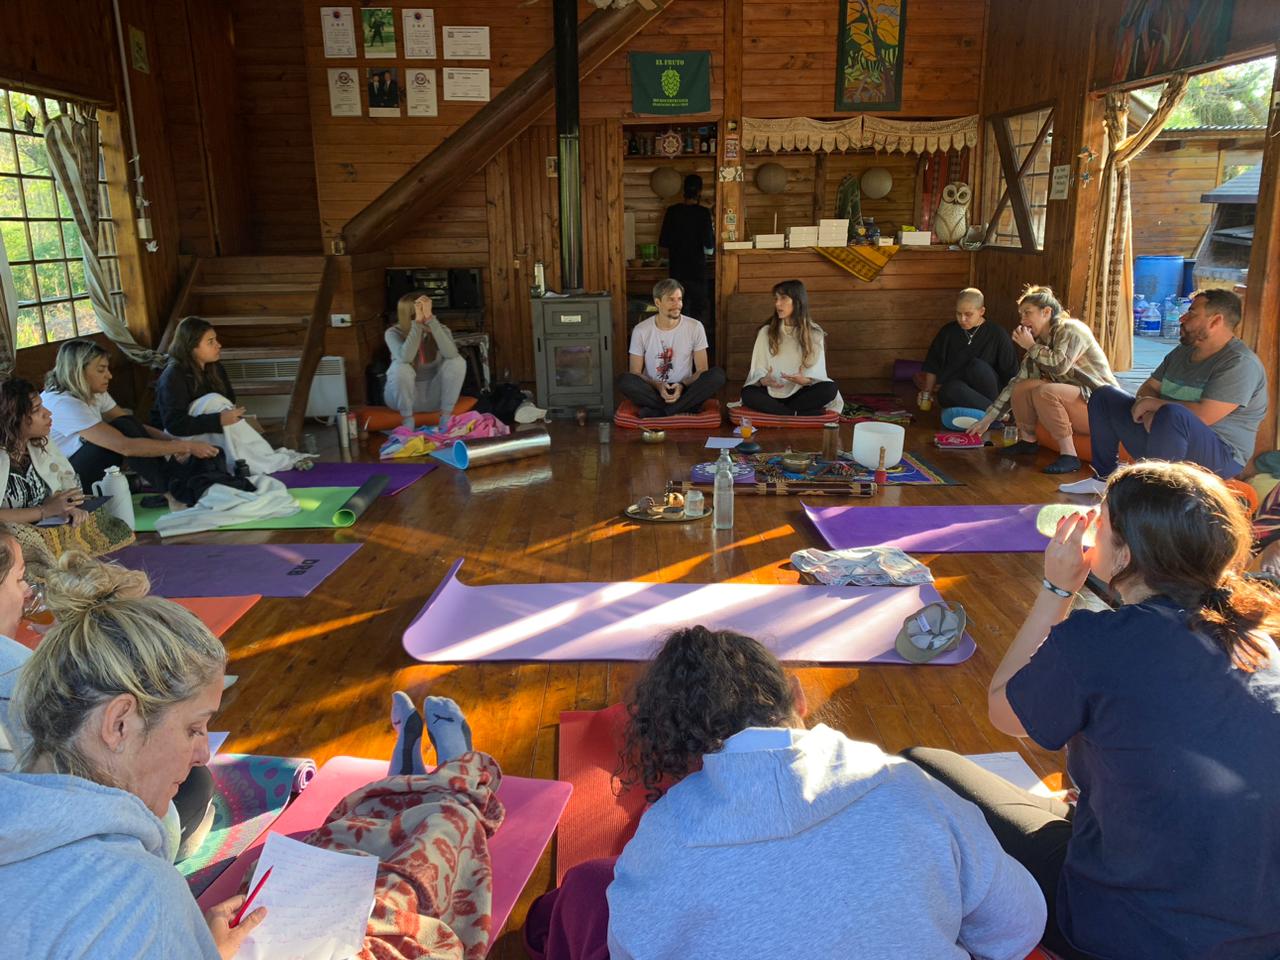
{"x": 382, "y": 419}
{"x": 775, "y": 420}
{"x": 1084, "y": 449}
{"x": 1245, "y": 493}
{"x": 708, "y": 418}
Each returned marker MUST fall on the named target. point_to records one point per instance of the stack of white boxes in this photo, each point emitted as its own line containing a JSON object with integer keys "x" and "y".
{"x": 802, "y": 236}
{"x": 738, "y": 244}
{"x": 770, "y": 241}
{"x": 833, "y": 233}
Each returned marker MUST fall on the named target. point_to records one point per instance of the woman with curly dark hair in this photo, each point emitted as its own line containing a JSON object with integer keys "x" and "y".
{"x": 766, "y": 838}
{"x": 36, "y": 481}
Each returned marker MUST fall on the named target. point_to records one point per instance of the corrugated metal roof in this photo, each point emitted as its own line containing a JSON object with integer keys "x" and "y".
{"x": 1218, "y": 128}
{"x": 1241, "y": 189}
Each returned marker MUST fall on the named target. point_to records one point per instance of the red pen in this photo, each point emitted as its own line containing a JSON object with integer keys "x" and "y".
{"x": 244, "y": 907}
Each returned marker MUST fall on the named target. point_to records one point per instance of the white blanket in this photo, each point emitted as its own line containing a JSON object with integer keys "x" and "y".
{"x": 222, "y": 506}
{"x": 239, "y": 441}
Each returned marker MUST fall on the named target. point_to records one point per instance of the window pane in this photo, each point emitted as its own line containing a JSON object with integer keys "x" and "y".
{"x": 71, "y": 237}
{"x": 14, "y": 236}
{"x": 59, "y": 322}
{"x": 47, "y": 240}
{"x": 29, "y": 332}
{"x": 104, "y": 201}
{"x": 39, "y": 194}
{"x": 4, "y": 108}
{"x": 31, "y": 155}
{"x": 86, "y": 318}
{"x": 22, "y": 105}
{"x": 10, "y": 198}
{"x": 24, "y": 282}
{"x": 76, "y": 269}
{"x": 52, "y": 278}
{"x": 64, "y": 208}
{"x": 8, "y": 158}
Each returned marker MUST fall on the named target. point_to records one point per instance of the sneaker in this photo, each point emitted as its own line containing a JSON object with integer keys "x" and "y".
{"x": 528, "y": 412}
{"x": 1065, "y": 463}
{"x": 1085, "y": 487}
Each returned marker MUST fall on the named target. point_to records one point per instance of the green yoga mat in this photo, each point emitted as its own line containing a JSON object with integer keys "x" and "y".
{"x": 321, "y": 507}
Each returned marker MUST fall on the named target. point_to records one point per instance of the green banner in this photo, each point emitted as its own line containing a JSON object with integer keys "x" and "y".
{"x": 671, "y": 83}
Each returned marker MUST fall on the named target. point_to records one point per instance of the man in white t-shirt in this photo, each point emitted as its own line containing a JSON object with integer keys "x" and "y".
{"x": 669, "y": 371}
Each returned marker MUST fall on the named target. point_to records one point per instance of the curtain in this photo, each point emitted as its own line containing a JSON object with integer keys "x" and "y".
{"x": 71, "y": 141}
{"x": 8, "y": 317}
{"x": 1109, "y": 309}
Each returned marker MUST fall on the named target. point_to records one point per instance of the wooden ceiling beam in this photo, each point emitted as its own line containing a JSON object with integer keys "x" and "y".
{"x": 409, "y": 201}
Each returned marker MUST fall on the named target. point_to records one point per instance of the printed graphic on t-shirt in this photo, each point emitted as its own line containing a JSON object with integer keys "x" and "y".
{"x": 665, "y": 360}
{"x": 1186, "y": 392}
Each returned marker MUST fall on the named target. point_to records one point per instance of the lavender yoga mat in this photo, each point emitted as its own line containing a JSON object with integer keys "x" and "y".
{"x": 623, "y": 621}
{"x": 1006, "y": 528}
{"x": 399, "y": 475}
{"x": 221, "y": 570}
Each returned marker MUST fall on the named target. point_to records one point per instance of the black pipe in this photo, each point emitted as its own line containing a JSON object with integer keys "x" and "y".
{"x": 565, "y": 17}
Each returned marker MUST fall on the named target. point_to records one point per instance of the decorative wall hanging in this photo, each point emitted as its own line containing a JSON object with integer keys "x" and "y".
{"x": 771, "y": 178}
{"x": 1163, "y": 36}
{"x": 857, "y": 133}
{"x": 869, "y": 54}
{"x": 671, "y": 83}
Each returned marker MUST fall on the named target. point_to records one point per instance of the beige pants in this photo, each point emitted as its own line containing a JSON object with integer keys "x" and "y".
{"x": 1061, "y": 407}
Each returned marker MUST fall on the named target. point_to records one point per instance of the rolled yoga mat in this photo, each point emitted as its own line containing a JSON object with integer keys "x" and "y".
{"x": 322, "y": 508}
{"x": 625, "y": 621}
{"x": 464, "y": 454}
{"x": 399, "y": 475}
{"x": 1006, "y": 528}
{"x": 216, "y": 570}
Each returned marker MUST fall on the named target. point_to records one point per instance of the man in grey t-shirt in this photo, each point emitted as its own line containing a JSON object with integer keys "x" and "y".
{"x": 1203, "y": 404}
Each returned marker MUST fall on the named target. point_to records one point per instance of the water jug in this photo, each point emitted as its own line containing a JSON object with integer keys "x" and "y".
{"x": 723, "y": 505}
{"x": 1139, "y": 308}
{"x": 114, "y": 485}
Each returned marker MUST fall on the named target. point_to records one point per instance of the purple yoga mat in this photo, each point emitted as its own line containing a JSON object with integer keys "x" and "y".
{"x": 399, "y": 475}
{"x": 236, "y": 569}
{"x": 625, "y": 621}
{"x": 1008, "y": 528}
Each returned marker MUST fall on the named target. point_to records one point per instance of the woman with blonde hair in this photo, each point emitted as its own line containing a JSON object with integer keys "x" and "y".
{"x": 94, "y": 432}
{"x": 788, "y": 363}
{"x": 414, "y": 383}
{"x": 1063, "y": 365}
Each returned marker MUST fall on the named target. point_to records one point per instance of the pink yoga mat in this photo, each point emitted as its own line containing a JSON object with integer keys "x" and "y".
{"x": 233, "y": 569}
{"x": 625, "y": 621}
{"x": 533, "y": 810}
{"x": 399, "y": 475}
{"x": 1007, "y": 528}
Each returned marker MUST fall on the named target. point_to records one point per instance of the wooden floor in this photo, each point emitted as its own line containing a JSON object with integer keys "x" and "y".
{"x": 316, "y": 675}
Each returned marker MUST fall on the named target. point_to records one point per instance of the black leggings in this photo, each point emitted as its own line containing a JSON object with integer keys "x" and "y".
{"x": 808, "y": 401}
{"x": 975, "y": 386}
{"x": 1033, "y": 830}
{"x": 91, "y": 461}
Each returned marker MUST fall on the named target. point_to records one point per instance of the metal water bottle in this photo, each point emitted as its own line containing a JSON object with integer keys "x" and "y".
{"x": 344, "y": 439}
{"x": 723, "y": 506}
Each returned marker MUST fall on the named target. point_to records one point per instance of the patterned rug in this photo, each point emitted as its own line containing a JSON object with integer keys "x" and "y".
{"x": 249, "y": 793}
{"x": 910, "y": 471}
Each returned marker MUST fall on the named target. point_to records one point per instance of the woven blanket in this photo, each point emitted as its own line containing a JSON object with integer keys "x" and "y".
{"x": 864, "y": 262}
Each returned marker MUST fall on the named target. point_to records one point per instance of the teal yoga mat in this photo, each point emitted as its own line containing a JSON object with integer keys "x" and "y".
{"x": 322, "y": 507}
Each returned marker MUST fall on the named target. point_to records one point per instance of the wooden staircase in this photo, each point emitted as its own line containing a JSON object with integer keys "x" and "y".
{"x": 264, "y": 308}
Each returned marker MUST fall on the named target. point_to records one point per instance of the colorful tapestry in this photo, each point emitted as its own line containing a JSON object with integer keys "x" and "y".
{"x": 910, "y": 471}
{"x": 670, "y": 84}
{"x": 865, "y": 263}
{"x": 869, "y": 54}
{"x": 884, "y": 407}
{"x": 248, "y": 794}
{"x": 1163, "y": 36}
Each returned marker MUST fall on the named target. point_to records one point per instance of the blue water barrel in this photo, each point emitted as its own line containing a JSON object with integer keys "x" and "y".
{"x": 1157, "y": 277}
{"x": 1188, "y": 281}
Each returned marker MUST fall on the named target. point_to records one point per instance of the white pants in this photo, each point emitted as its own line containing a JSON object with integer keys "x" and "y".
{"x": 426, "y": 389}
{"x": 239, "y": 441}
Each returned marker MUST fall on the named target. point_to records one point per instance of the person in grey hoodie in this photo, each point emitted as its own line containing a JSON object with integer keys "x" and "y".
{"x": 115, "y": 702}
{"x": 767, "y": 839}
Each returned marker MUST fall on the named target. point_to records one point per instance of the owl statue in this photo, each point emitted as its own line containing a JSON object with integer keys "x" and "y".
{"x": 952, "y": 219}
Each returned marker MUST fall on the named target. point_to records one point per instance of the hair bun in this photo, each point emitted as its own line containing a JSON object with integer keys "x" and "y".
{"x": 77, "y": 583}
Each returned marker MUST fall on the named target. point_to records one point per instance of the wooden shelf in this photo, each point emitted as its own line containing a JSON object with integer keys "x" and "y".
{"x": 658, "y": 156}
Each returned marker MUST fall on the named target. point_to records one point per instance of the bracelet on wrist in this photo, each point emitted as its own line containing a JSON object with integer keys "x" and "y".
{"x": 1056, "y": 589}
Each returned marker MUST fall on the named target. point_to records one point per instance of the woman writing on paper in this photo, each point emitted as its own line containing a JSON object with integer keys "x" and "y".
{"x": 195, "y": 400}
{"x": 414, "y": 383}
{"x": 788, "y": 363}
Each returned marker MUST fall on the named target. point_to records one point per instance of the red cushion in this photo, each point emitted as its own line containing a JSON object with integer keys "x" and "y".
{"x": 774, "y": 420}
{"x": 628, "y": 418}
{"x": 382, "y": 419}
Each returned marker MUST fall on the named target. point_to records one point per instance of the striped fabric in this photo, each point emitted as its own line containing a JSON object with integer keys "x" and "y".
{"x": 627, "y": 418}
{"x": 774, "y": 420}
{"x": 864, "y": 262}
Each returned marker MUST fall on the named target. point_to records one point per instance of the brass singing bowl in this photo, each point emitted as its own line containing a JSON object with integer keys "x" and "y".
{"x": 797, "y": 464}
{"x": 653, "y": 436}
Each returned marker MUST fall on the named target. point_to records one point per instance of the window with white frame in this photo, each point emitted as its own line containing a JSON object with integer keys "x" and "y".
{"x": 39, "y": 233}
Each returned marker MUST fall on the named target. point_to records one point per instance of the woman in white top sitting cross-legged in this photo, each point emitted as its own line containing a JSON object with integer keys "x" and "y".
{"x": 788, "y": 364}
{"x": 414, "y": 383}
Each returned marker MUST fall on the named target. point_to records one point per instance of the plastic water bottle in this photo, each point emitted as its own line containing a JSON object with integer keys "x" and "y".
{"x": 723, "y": 506}
{"x": 1151, "y": 321}
{"x": 1139, "y": 308}
{"x": 1172, "y": 317}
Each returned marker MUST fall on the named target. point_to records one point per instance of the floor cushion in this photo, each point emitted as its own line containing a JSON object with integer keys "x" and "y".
{"x": 628, "y": 418}
{"x": 1084, "y": 449}
{"x": 382, "y": 419}
{"x": 774, "y": 420}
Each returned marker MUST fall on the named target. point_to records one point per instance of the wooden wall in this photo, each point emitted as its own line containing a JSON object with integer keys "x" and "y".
{"x": 789, "y": 49}
{"x": 1167, "y": 181}
{"x": 58, "y": 48}
{"x": 649, "y": 208}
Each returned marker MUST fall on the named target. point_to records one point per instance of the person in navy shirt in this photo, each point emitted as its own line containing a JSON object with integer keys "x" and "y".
{"x": 1169, "y": 708}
